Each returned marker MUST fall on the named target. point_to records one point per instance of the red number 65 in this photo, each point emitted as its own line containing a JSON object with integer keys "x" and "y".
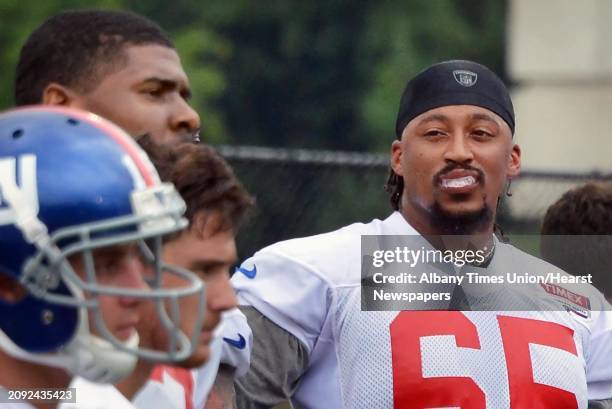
{"x": 412, "y": 390}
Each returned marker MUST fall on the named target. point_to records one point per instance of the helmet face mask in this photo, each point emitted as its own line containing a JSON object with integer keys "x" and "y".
{"x": 117, "y": 201}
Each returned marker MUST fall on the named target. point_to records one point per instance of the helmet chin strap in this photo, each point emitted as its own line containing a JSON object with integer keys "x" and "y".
{"x": 87, "y": 356}
{"x": 96, "y": 360}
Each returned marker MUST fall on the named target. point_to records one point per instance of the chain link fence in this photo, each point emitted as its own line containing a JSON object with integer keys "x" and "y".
{"x": 304, "y": 192}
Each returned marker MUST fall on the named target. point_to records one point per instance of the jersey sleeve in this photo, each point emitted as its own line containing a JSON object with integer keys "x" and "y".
{"x": 599, "y": 357}
{"x": 287, "y": 291}
{"x": 286, "y": 303}
{"x": 278, "y": 361}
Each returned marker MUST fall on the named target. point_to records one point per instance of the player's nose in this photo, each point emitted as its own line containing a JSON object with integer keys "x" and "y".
{"x": 220, "y": 294}
{"x": 458, "y": 149}
{"x": 135, "y": 278}
{"x": 184, "y": 120}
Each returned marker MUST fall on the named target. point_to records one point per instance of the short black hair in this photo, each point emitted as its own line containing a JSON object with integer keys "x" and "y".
{"x": 76, "y": 48}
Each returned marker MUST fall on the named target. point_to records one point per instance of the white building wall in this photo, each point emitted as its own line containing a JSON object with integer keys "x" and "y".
{"x": 560, "y": 57}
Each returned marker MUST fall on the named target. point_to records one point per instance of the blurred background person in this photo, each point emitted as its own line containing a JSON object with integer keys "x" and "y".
{"x": 577, "y": 234}
{"x": 119, "y": 65}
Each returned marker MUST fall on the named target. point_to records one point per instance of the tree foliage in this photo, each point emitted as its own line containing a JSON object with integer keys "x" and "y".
{"x": 290, "y": 73}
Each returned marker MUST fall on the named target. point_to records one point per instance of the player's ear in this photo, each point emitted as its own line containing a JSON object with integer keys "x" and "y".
{"x": 396, "y": 157}
{"x": 514, "y": 161}
{"x": 10, "y": 290}
{"x": 57, "y": 94}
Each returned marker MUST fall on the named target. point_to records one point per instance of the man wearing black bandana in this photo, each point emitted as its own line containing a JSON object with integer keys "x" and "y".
{"x": 454, "y": 151}
{"x": 452, "y": 160}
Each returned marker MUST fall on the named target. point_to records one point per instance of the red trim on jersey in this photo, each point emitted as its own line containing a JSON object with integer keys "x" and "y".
{"x": 112, "y": 130}
{"x": 579, "y": 300}
{"x": 181, "y": 375}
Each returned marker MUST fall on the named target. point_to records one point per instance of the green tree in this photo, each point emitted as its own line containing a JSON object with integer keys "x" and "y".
{"x": 404, "y": 37}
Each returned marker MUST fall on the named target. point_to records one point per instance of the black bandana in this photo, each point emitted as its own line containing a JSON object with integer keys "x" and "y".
{"x": 455, "y": 82}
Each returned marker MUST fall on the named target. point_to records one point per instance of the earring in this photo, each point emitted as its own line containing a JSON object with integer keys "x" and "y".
{"x": 508, "y": 192}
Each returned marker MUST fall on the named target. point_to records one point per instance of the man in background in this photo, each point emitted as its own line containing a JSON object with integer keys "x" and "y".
{"x": 117, "y": 64}
{"x": 577, "y": 234}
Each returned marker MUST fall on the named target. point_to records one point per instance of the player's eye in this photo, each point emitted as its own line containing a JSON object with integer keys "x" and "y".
{"x": 434, "y": 134}
{"x": 156, "y": 92}
{"x": 153, "y": 92}
{"x": 482, "y": 134}
{"x": 202, "y": 272}
{"x": 106, "y": 267}
{"x": 186, "y": 94}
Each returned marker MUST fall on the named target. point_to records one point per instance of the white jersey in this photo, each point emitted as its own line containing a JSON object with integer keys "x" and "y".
{"x": 172, "y": 387}
{"x": 178, "y": 388}
{"x": 424, "y": 359}
{"x": 90, "y": 395}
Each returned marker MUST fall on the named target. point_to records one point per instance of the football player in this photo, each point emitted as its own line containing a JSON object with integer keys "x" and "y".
{"x": 216, "y": 204}
{"x": 313, "y": 344}
{"x": 82, "y": 217}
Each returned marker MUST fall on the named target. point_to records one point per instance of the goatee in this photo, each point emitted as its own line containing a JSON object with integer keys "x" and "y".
{"x": 467, "y": 223}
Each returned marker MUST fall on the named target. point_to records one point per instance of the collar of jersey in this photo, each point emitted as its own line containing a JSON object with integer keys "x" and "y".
{"x": 395, "y": 224}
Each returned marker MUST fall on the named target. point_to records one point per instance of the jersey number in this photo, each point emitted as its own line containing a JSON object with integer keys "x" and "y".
{"x": 412, "y": 390}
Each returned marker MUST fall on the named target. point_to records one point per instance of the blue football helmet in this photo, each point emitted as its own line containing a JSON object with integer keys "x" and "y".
{"x": 70, "y": 183}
